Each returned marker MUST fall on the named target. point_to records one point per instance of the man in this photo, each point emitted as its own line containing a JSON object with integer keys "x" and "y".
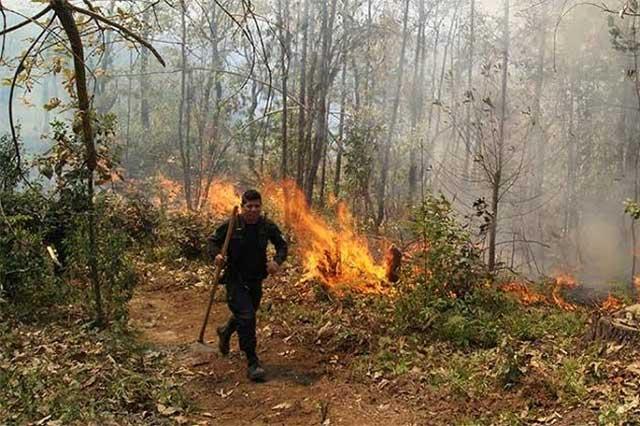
{"x": 246, "y": 267}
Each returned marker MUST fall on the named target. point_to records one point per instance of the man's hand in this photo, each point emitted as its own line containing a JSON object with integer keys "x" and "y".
{"x": 218, "y": 260}
{"x": 273, "y": 267}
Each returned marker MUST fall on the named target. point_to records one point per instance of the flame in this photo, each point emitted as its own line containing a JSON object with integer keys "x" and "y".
{"x": 168, "y": 195}
{"x": 527, "y": 296}
{"x": 221, "y": 197}
{"x": 338, "y": 256}
{"x": 524, "y": 294}
{"x": 611, "y": 303}
{"x": 563, "y": 281}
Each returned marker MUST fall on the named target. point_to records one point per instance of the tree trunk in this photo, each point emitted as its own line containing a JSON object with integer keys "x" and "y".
{"x": 129, "y": 99}
{"x": 416, "y": 104}
{"x": 424, "y": 157}
{"x": 65, "y": 16}
{"x": 539, "y": 136}
{"x": 285, "y": 40}
{"x": 144, "y": 81}
{"x": 302, "y": 100}
{"x": 432, "y": 143}
{"x": 320, "y": 139}
{"x": 343, "y": 101}
{"x": 182, "y": 140}
{"x": 394, "y": 116}
{"x": 468, "y": 142}
{"x": 497, "y": 178}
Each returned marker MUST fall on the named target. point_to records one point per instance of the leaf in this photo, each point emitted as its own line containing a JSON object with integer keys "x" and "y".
{"x": 167, "y": 411}
{"x": 181, "y": 420}
{"x": 283, "y": 406}
{"x": 52, "y": 104}
{"x": 43, "y": 420}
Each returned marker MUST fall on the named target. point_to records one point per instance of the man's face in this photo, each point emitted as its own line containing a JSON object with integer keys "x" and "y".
{"x": 251, "y": 210}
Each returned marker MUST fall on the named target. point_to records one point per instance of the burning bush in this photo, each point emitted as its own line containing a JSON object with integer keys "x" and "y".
{"x": 339, "y": 257}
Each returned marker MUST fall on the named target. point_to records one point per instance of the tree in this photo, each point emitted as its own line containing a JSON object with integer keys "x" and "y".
{"x": 63, "y": 11}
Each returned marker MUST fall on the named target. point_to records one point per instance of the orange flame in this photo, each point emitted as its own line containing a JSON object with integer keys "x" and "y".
{"x": 220, "y": 199}
{"x": 527, "y": 296}
{"x": 168, "y": 195}
{"x": 339, "y": 257}
{"x": 611, "y": 303}
{"x": 563, "y": 281}
{"x": 524, "y": 294}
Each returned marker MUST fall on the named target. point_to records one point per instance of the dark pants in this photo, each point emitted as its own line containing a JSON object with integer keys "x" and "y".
{"x": 243, "y": 299}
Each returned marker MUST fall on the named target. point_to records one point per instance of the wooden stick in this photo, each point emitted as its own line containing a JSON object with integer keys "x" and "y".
{"x": 216, "y": 274}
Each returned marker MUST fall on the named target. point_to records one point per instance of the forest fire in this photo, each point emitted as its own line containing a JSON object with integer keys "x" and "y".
{"x": 169, "y": 193}
{"x": 339, "y": 257}
{"x": 524, "y": 294}
{"x": 611, "y": 304}
{"x": 220, "y": 199}
{"x": 563, "y": 281}
{"x": 527, "y": 296}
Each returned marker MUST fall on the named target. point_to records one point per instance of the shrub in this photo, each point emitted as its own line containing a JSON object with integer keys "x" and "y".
{"x": 116, "y": 270}
{"x": 447, "y": 301}
{"x": 26, "y": 273}
{"x": 183, "y": 234}
{"x": 445, "y": 256}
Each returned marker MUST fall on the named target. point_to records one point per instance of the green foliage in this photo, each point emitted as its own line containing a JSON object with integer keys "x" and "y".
{"x": 469, "y": 321}
{"x": 530, "y": 324}
{"x": 632, "y": 208}
{"x": 570, "y": 379}
{"x": 10, "y": 174}
{"x": 448, "y": 259}
{"x": 182, "y": 234}
{"x": 115, "y": 263}
{"x": 26, "y": 271}
{"x": 360, "y": 149}
{"x": 66, "y": 159}
{"x": 448, "y": 301}
{"x": 134, "y": 215}
{"x": 44, "y": 243}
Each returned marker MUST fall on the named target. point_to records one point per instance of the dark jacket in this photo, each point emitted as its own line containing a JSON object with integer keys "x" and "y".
{"x": 267, "y": 231}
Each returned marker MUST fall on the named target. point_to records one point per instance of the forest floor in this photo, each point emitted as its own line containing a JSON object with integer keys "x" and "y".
{"x": 311, "y": 380}
{"x": 329, "y": 361}
{"x": 303, "y": 386}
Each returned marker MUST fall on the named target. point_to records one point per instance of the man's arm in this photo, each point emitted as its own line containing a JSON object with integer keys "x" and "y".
{"x": 278, "y": 241}
{"x": 216, "y": 241}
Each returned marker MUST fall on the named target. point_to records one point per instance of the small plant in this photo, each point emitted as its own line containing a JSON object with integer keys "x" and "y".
{"x": 184, "y": 234}
{"x": 115, "y": 264}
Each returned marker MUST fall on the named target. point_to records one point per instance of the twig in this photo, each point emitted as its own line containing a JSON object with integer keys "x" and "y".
{"x": 123, "y": 29}
{"x": 22, "y": 24}
{"x": 4, "y": 26}
{"x": 19, "y": 69}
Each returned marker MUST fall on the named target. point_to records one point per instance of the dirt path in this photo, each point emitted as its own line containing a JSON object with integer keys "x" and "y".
{"x": 303, "y": 387}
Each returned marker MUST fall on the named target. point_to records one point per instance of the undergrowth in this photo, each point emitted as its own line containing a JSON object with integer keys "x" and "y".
{"x": 67, "y": 373}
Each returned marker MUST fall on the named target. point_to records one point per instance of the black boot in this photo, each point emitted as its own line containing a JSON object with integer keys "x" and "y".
{"x": 255, "y": 372}
{"x": 224, "y": 337}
